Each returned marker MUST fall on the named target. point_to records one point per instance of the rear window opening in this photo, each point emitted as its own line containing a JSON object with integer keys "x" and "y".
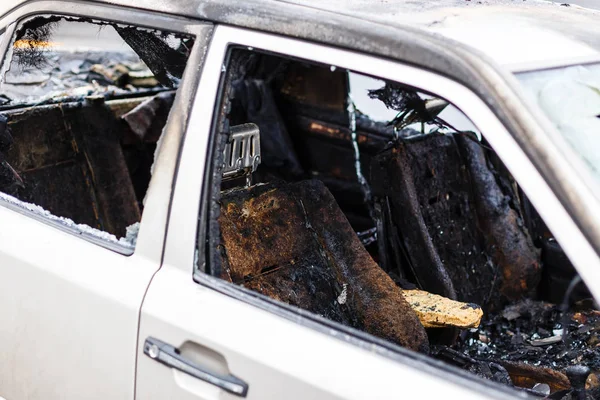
{"x": 384, "y": 209}
{"x": 83, "y": 104}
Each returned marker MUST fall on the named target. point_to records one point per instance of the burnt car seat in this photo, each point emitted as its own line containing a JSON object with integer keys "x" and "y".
{"x": 71, "y": 162}
{"x": 291, "y": 242}
{"x": 449, "y": 223}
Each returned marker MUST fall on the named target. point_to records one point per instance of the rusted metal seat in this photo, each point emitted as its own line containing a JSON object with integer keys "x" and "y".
{"x": 449, "y": 224}
{"x": 292, "y": 243}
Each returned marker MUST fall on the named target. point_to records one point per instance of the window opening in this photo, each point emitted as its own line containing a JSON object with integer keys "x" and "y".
{"x": 83, "y": 104}
{"x": 384, "y": 209}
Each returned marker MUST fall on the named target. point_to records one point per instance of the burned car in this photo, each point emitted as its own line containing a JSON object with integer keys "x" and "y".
{"x": 267, "y": 199}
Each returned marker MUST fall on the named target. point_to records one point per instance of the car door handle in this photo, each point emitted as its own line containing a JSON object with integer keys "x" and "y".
{"x": 170, "y": 356}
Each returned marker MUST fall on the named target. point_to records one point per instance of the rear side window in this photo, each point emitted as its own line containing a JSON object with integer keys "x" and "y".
{"x": 82, "y": 107}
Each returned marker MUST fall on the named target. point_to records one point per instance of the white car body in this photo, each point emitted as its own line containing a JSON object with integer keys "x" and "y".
{"x": 74, "y": 316}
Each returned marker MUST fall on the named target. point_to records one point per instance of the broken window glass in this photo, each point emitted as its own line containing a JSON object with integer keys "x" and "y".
{"x": 59, "y": 59}
{"x": 84, "y": 104}
{"x": 570, "y": 97}
{"x": 383, "y": 209}
{"x": 373, "y": 99}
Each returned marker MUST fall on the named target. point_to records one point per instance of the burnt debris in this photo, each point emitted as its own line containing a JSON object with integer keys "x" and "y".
{"x": 533, "y": 332}
{"x": 411, "y": 107}
{"x": 537, "y": 342}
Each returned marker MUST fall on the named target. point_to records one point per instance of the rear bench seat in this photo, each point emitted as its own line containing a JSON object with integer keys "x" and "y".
{"x": 71, "y": 161}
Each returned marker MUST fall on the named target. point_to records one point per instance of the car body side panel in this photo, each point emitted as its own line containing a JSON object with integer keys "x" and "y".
{"x": 278, "y": 358}
{"x": 69, "y": 314}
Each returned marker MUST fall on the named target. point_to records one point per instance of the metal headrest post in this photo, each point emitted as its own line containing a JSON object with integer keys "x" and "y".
{"x": 241, "y": 155}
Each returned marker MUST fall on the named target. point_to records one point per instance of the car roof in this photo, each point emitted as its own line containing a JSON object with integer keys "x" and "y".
{"x": 527, "y": 34}
{"x": 519, "y": 35}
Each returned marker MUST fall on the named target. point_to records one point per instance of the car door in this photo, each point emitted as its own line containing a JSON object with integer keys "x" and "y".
{"x": 70, "y": 295}
{"x": 200, "y": 339}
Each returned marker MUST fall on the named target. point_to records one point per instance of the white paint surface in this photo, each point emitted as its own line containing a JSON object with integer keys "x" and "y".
{"x": 69, "y": 312}
{"x": 514, "y": 41}
{"x": 513, "y": 33}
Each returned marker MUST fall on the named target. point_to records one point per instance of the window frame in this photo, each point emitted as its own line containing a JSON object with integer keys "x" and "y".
{"x": 199, "y": 148}
{"x": 121, "y": 15}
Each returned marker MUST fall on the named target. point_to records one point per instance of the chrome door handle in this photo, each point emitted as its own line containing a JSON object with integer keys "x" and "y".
{"x": 168, "y": 355}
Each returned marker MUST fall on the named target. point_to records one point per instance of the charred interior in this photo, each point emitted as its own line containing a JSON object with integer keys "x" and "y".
{"x": 83, "y": 106}
{"x": 409, "y": 227}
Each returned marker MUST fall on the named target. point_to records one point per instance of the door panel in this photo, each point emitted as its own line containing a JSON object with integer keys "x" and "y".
{"x": 277, "y": 357}
{"x": 69, "y": 308}
{"x": 69, "y": 312}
